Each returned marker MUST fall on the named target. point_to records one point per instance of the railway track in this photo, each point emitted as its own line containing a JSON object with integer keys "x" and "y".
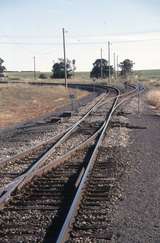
{"x": 92, "y": 222}
{"x": 45, "y": 127}
{"x": 47, "y": 198}
{"x": 33, "y": 209}
{"x": 16, "y": 167}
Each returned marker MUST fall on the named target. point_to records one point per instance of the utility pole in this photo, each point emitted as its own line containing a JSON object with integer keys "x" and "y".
{"x": 101, "y": 65}
{"x": 64, "y": 53}
{"x": 109, "y": 61}
{"x": 34, "y": 67}
{"x": 117, "y": 66}
{"x": 114, "y": 60}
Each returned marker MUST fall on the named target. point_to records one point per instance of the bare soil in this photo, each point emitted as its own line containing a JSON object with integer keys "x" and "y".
{"x": 22, "y": 102}
{"x": 136, "y": 215}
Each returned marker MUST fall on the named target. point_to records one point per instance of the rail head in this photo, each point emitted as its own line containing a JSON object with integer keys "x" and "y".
{"x": 64, "y": 232}
{"x": 29, "y": 174}
{"x": 9, "y": 188}
{"x": 63, "y": 235}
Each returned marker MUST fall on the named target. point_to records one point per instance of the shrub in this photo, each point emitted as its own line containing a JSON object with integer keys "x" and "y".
{"x": 42, "y": 76}
{"x": 153, "y": 98}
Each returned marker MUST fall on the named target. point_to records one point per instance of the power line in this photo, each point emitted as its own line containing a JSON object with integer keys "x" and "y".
{"x": 77, "y": 43}
{"x": 30, "y": 36}
{"x": 110, "y": 35}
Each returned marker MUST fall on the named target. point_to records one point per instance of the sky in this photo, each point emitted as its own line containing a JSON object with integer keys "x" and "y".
{"x": 34, "y": 28}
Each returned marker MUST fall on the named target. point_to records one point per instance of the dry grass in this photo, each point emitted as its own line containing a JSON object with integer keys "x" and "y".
{"x": 19, "y": 103}
{"x": 79, "y": 77}
{"x": 153, "y": 98}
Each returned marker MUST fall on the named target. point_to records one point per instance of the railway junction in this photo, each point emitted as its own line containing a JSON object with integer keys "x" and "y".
{"x": 84, "y": 183}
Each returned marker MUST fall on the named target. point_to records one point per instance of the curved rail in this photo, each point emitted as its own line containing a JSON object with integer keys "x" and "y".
{"x": 74, "y": 207}
{"x": 58, "y": 136}
{"x": 84, "y": 174}
{"x": 35, "y": 170}
{"x": 9, "y": 188}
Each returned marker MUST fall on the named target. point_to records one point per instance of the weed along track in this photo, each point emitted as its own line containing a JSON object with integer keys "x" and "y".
{"x": 63, "y": 195}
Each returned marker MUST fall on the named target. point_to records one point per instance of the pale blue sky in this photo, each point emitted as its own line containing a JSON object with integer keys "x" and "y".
{"x": 34, "y": 27}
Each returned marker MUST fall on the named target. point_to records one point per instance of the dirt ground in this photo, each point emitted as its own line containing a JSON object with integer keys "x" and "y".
{"x": 23, "y": 102}
{"x": 136, "y": 216}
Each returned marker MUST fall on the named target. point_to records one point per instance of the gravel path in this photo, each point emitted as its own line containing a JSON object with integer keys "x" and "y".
{"x": 136, "y": 217}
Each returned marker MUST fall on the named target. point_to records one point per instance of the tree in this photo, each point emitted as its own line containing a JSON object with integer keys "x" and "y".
{"x": 58, "y": 68}
{"x": 2, "y": 68}
{"x": 126, "y": 67}
{"x": 101, "y": 67}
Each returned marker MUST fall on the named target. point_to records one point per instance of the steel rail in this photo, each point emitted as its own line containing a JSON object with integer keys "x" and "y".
{"x": 58, "y": 136}
{"x": 134, "y": 88}
{"x": 30, "y": 150}
{"x": 80, "y": 146}
{"x": 51, "y": 165}
{"x": 51, "y": 140}
{"x": 26, "y": 177}
{"x": 78, "y": 196}
{"x": 22, "y": 180}
{"x": 6, "y": 191}
{"x": 83, "y": 177}
{"x": 131, "y": 93}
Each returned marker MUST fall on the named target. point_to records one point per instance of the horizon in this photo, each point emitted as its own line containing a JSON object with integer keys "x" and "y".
{"x": 39, "y": 71}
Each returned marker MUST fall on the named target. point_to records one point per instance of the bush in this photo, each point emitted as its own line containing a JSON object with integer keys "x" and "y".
{"x": 153, "y": 98}
{"x": 42, "y": 76}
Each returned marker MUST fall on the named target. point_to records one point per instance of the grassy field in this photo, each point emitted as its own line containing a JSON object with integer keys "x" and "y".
{"x": 82, "y": 77}
{"x": 29, "y": 76}
{"x": 79, "y": 77}
{"x": 19, "y": 102}
{"x": 149, "y": 74}
{"x": 150, "y": 78}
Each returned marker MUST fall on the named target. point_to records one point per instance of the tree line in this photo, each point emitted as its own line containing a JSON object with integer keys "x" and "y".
{"x": 101, "y": 68}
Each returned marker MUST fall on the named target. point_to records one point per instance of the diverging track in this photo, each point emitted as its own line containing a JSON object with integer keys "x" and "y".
{"x": 17, "y": 168}
{"x": 50, "y": 195}
{"x": 91, "y": 192}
